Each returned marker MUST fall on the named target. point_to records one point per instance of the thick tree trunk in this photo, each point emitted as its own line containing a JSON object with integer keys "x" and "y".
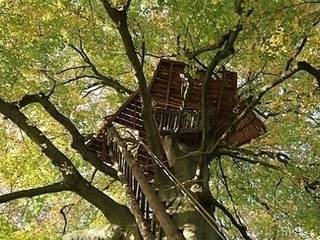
{"x": 184, "y": 213}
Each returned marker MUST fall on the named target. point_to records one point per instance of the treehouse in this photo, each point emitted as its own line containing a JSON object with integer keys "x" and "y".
{"x": 177, "y": 110}
{"x": 177, "y": 107}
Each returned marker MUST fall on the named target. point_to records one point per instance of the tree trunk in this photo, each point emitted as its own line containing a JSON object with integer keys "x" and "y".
{"x": 187, "y": 171}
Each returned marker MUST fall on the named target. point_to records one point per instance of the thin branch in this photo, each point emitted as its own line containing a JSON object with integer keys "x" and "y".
{"x": 106, "y": 80}
{"x": 276, "y": 155}
{"x": 226, "y": 185}
{"x": 93, "y": 175}
{"x": 296, "y": 5}
{"x": 64, "y": 215}
{"x": 53, "y": 188}
{"x": 300, "y": 47}
{"x": 210, "y": 47}
{"x": 92, "y": 90}
{"x": 76, "y": 78}
{"x": 242, "y": 229}
{"x": 73, "y": 68}
{"x": 188, "y": 34}
{"x": 249, "y": 160}
{"x": 298, "y": 51}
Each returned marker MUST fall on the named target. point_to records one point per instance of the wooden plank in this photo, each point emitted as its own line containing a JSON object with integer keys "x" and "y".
{"x": 128, "y": 124}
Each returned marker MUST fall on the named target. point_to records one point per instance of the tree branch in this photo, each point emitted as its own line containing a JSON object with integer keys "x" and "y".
{"x": 13, "y": 112}
{"x": 300, "y": 47}
{"x": 113, "y": 211}
{"x": 120, "y": 19}
{"x": 302, "y": 65}
{"x": 64, "y": 215}
{"x": 53, "y": 188}
{"x": 78, "y": 141}
{"x": 248, "y": 159}
{"x": 105, "y": 80}
{"x": 242, "y": 229}
{"x": 210, "y": 47}
{"x": 298, "y": 51}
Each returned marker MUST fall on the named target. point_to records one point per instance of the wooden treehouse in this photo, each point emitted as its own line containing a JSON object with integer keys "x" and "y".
{"x": 176, "y": 113}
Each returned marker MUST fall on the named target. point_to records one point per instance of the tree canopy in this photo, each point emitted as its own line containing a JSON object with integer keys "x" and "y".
{"x": 65, "y": 65}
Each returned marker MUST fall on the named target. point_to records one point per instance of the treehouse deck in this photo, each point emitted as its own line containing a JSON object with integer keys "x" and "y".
{"x": 177, "y": 110}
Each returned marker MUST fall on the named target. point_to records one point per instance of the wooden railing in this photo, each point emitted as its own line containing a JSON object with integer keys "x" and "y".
{"x": 174, "y": 120}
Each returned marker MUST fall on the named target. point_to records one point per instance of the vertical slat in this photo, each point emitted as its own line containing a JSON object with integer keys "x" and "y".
{"x": 147, "y": 216}
{"x": 129, "y": 177}
{"x": 119, "y": 160}
{"x": 169, "y": 85}
{"x": 143, "y": 205}
{"x": 135, "y": 113}
{"x": 104, "y": 147}
{"x": 123, "y": 164}
{"x": 127, "y": 171}
{"x": 134, "y": 186}
{"x": 138, "y": 193}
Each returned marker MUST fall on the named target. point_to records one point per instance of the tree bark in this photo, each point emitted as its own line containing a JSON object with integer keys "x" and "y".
{"x": 185, "y": 214}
